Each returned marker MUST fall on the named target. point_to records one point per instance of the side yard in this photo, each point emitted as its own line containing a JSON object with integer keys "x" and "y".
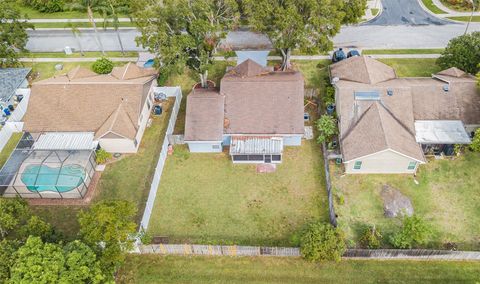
{"x": 178, "y": 269}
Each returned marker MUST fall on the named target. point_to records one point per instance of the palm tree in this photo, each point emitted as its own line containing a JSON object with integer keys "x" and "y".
{"x": 113, "y": 13}
{"x": 89, "y": 6}
{"x": 76, "y": 32}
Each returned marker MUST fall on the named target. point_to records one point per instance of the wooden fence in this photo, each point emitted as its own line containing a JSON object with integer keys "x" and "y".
{"x": 218, "y": 250}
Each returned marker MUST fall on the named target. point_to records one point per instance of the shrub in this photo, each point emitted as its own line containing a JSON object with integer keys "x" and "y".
{"x": 371, "y": 238}
{"x": 329, "y": 97}
{"x": 475, "y": 146}
{"x": 462, "y": 52}
{"x": 414, "y": 232}
{"x": 102, "y": 66}
{"x": 327, "y": 126}
{"x": 102, "y": 156}
{"x": 321, "y": 241}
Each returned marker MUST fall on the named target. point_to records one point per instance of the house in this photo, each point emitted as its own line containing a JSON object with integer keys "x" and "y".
{"x": 388, "y": 124}
{"x": 111, "y": 109}
{"x": 255, "y": 112}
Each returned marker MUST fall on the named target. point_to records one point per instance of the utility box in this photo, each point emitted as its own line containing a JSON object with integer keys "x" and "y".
{"x": 68, "y": 50}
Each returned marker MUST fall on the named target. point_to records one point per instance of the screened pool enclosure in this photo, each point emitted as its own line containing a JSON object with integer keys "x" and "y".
{"x": 37, "y": 172}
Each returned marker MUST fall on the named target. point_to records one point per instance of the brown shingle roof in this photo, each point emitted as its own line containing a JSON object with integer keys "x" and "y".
{"x": 80, "y": 72}
{"x": 249, "y": 68}
{"x": 132, "y": 71}
{"x": 204, "y": 116}
{"x": 453, "y": 72}
{"x": 378, "y": 130}
{"x": 412, "y": 99}
{"x": 362, "y": 69}
{"x": 86, "y": 104}
{"x": 268, "y": 103}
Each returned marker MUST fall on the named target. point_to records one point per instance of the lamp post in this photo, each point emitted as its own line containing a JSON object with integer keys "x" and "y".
{"x": 471, "y": 16}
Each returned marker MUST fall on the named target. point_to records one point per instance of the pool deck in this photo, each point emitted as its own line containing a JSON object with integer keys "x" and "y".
{"x": 69, "y": 201}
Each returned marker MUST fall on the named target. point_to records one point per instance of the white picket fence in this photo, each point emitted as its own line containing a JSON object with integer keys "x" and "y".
{"x": 14, "y": 124}
{"x": 170, "y": 92}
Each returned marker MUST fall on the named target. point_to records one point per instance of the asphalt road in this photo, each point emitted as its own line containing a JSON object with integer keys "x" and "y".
{"x": 405, "y": 12}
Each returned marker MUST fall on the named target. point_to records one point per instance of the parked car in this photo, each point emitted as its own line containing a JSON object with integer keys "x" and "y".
{"x": 338, "y": 55}
{"x": 353, "y": 53}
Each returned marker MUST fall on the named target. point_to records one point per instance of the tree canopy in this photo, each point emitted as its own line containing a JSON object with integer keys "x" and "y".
{"x": 183, "y": 32}
{"x": 307, "y": 25}
{"x": 13, "y": 34}
{"x": 462, "y": 52}
{"x": 108, "y": 227}
{"x": 321, "y": 241}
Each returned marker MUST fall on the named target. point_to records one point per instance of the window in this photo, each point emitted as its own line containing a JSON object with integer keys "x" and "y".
{"x": 412, "y": 165}
{"x": 240, "y": 158}
{"x": 276, "y": 158}
{"x": 255, "y": 157}
{"x": 358, "y": 165}
{"x": 215, "y": 147}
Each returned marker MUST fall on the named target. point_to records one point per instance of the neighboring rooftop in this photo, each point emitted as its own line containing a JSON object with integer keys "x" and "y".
{"x": 371, "y": 97}
{"x": 80, "y": 101}
{"x": 10, "y": 80}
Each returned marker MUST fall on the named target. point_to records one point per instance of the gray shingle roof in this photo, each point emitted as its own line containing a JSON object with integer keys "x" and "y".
{"x": 10, "y": 80}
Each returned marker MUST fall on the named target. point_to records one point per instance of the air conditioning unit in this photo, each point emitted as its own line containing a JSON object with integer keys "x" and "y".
{"x": 159, "y": 96}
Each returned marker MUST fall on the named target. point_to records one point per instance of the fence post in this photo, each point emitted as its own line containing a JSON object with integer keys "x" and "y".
{"x": 328, "y": 182}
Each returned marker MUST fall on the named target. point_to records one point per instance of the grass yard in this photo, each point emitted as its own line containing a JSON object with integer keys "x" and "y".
{"x": 205, "y": 198}
{"x": 47, "y": 69}
{"x": 461, "y": 6}
{"x": 177, "y": 269}
{"x": 9, "y": 147}
{"x": 447, "y": 197}
{"x": 78, "y": 55}
{"x": 432, "y": 7}
{"x": 413, "y": 67}
{"x": 465, "y": 18}
{"x": 130, "y": 178}
{"x": 403, "y": 51}
{"x": 61, "y": 25}
{"x": 34, "y": 14}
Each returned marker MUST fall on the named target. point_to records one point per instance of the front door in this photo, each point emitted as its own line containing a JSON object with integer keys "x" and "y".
{"x": 268, "y": 159}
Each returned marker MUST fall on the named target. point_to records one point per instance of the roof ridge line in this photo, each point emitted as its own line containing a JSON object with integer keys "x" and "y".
{"x": 396, "y": 119}
{"x": 350, "y": 129}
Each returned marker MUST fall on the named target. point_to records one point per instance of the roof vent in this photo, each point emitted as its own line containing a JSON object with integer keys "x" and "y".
{"x": 446, "y": 87}
{"x": 390, "y": 92}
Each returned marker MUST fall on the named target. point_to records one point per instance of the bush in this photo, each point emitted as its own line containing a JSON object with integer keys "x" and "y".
{"x": 102, "y": 66}
{"x": 475, "y": 146}
{"x": 327, "y": 126}
{"x": 414, "y": 232}
{"x": 321, "y": 241}
{"x": 371, "y": 238}
{"x": 45, "y": 6}
{"x": 462, "y": 52}
{"x": 102, "y": 156}
{"x": 329, "y": 97}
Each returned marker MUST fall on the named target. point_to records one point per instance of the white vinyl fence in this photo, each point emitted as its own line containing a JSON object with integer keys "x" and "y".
{"x": 170, "y": 92}
{"x": 14, "y": 124}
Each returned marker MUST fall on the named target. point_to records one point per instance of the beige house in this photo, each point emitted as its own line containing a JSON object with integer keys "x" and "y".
{"x": 389, "y": 124}
{"x": 115, "y": 107}
{"x": 255, "y": 113}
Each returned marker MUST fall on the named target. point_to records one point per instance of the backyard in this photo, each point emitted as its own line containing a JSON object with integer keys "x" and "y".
{"x": 180, "y": 269}
{"x": 446, "y": 196}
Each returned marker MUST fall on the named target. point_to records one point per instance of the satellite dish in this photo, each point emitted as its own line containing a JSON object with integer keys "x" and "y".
{"x": 59, "y": 67}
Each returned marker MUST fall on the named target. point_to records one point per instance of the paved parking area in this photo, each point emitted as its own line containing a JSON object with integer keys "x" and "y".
{"x": 405, "y": 12}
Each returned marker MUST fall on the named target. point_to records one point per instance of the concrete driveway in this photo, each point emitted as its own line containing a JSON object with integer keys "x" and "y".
{"x": 405, "y": 12}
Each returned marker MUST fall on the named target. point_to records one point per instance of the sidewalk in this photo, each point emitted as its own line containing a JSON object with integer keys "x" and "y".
{"x": 221, "y": 58}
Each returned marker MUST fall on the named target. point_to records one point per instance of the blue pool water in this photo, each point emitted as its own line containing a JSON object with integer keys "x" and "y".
{"x": 43, "y": 178}
{"x": 149, "y": 63}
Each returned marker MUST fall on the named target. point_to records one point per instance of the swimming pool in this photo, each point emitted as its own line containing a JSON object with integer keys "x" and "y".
{"x": 44, "y": 178}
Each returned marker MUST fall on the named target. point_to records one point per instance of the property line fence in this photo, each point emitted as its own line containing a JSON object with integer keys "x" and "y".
{"x": 169, "y": 92}
{"x": 219, "y": 250}
{"x": 14, "y": 124}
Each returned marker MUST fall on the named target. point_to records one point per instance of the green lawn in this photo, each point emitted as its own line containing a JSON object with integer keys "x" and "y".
{"x": 205, "y": 198}
{"x": 177, "y": 269}
{"x": 9, "y": 147}
{"x": 47, "y": 69}
{"x": 461, "y": 7}
{"x": 447, "y": 196}
{"x": 465, "y": 18}
{"x": 62, "y": 218}
{"x": 375, "y": 11}
{"x": 130, "y": 178}
{"x": 78, "y": 55}
{"x": 34, "y": 14}
{"x": 403, "y": 51}
{"x": 413, "y": 67}
{"x": 432, "y": 7}
{"x": 100, "y": 25}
